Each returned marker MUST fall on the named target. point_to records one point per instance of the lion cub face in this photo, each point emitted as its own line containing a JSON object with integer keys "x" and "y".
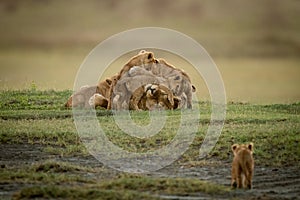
{"x": 143, "y": 58}
{"x": 242, "y": 166}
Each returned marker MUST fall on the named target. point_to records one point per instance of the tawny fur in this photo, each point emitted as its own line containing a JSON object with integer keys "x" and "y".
{"x": 117, "y": 91}
{"x": 126, "y": 86}
{"x": 242, "y": 166}
{"x": 159, "y": 72}
{"x": 83, "y": 96}
{"x": 98, "y": 100}
{"x": 152, "y": 97}
{"x": 142, "y": 58}
{"x": 178, "y": 81}
{"x": 105, "y": 85}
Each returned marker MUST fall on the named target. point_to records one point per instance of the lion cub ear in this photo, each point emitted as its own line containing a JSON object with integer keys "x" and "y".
{"x": 193, "y": 88}
{"x": 108, "y": 81}
{"x": 142, "y": 51}
{"x": 250, "y": 146}
{"x": 234, "y": 147}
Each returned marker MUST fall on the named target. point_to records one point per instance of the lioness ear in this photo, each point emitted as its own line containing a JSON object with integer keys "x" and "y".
{"x": 234, "y": 146}
{"x": 250, "y": 146}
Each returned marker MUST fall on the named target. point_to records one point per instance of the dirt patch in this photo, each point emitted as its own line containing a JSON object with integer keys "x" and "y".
{"x": 268, "y": 182}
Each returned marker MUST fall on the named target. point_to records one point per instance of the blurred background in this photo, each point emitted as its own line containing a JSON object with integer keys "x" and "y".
{"x": 255, "y": 44}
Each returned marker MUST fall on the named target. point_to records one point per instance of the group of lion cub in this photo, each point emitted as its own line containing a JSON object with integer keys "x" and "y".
{"x": 146, "y": 83}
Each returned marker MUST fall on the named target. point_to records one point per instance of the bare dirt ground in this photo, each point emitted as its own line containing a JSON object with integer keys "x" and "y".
{"x": 268, "y": 183}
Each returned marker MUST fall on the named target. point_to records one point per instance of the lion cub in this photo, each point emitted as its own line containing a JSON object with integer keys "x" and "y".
{"x": 242, "y": 166}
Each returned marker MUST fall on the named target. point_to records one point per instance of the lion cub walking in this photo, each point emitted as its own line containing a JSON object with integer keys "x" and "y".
{"x": 242, "y": 166}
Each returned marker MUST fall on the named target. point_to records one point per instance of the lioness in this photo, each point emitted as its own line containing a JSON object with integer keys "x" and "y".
{"x": 242, "y": 166}
{"x": 153, "y": 97}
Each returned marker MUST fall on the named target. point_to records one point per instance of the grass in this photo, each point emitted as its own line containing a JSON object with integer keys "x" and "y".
{"x": 55, "y": 192}
{"x": 32, "y": 99}
{"x": 125, "y": 188}
{"x": 35, "y": 117}
{"x": 54, "y": 179}
{"x": 255, "y": 45}
{"x": 274, "y": 129}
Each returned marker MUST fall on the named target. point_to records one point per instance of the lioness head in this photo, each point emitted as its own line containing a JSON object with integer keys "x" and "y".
{"x": 158, "y": 97}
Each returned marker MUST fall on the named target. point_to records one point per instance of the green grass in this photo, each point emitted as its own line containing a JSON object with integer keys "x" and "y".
{"x": 54, "y": 179}
{"x": 38, "y": 118}
{"x": 125, "y": 188}
{"x": 32, "y": 99}
{"x": 274, "y": 130}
